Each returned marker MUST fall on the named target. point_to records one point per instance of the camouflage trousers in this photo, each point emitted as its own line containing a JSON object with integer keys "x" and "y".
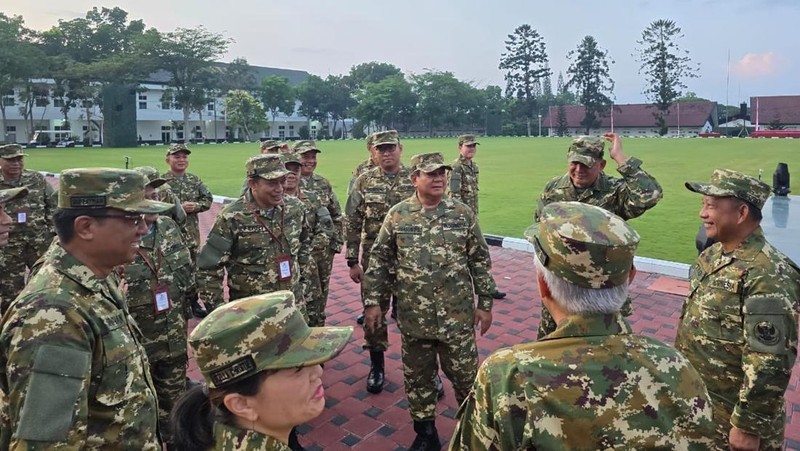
{"x": 316, "y": 290}
{"x": 169, "y": 378}
{"x": 16, "y": 258}
{"x": 459, "y": 359}
{"x": 772, "y": 435}
{"x": 547, "y": 324}
{"x": 377, "y": 340}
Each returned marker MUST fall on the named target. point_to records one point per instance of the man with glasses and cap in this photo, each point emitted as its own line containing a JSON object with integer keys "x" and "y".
{"x": 270, "y": 146}
{"x": 73, "y": 371}
{"x": 431, "y": 253}
{"x": 738, "y": 325}
{"x": 32, "y": 216}
{"x": 627, "y": 197}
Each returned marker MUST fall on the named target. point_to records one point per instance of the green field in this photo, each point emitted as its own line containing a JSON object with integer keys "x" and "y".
{"x": 513, "y": 172}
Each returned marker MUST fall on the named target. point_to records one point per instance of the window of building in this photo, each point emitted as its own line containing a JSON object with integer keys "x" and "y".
{"x": 291, "y": 128}
{"x": 9, "y": 101}
{"x": 142, "y": 102}
{"x": 281, "y": 127}
{"x": 210, "y": 107}
{"x": 11, "y": 128}
{"x": 58, "y": 102}
{"x": 165, "y": 106}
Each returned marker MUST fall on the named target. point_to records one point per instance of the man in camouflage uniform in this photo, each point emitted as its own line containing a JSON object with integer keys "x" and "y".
{"x": 72, "y": 367}
{"x": 592, "y": 383}
{"x": 32, "y": 231}
{"x": 195, "y": 198}
{"x": 738, "y": 326}
{"x": 262, "y": 239}
{"x": 6, "y": 222}
{"x": 270, "y": 146}
{"x": 366, "y": 165}
{"x": 160, "y": 285}
{"x": 430, "y": 251}
{"x": 330, "y": 216}
{"x": 462, "y": 181}
{"x": 164, "y": 194}
{"x": 373, "y": 194}
{"x": 627, "y": 197}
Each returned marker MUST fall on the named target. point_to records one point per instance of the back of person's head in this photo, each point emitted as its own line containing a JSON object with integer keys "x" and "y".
{"x": 237, "y": 347}
{"x": 585, "y": 255}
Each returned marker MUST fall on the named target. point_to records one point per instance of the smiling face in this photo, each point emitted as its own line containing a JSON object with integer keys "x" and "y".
{"x": 12, "y": 167}
{"x": 583, "y": 176}
{"x": 721, "y": 217}
{"x": 117, "y": 236}
{"x": 178, "y": 162}
{"x": 267, "y": 193}
{"x": 308, "y": 160}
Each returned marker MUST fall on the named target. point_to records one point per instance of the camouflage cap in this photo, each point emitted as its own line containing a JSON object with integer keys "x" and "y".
{"x": 386, "y": 137}
{"x": 152, "y": 178}
{"x": 268, "y": 166}
{"x": 467, "y": 140}
{"x": 290, "y": 158}
{"x": 583, "y": 244}
{"x": 727, "y": 183}
{"x": 9, "y": 194}
{"x": 121, "y": 189}
{"x": 370, "y": 140}
{"x": 11, "y": 151}
{"x": 586, "y": 150}
{"x": 304, "y": 143}
{"x": 270, "y": 144}
{"x": 175, "y": 148}
{"x": 428, "y": 162}
{"x": 302, "y": 147}
{"x": 257, "y": 333}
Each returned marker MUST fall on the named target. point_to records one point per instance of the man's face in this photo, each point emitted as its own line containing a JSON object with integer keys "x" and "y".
{"x": 119, "y": 234}
{"x": 150, "y": 194}
{"x": 468, "y": 151}
{"x": 292, "y": 178}
{"x": 267, "y": 193}
{"x": 583, "y": 176}
{"x": 12, "y": 167}
{"x": 389, "y": 156}
{"x": 5, "y": 225}
{"x": 721, "y": 217}
{"x": 309, "y": 163}
{"x": 430, "y": 184}
{"x": 178, "y": 162}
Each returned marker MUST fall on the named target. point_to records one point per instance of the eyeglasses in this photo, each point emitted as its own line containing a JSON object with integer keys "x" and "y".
{"x": 386, "y": 148}
{"x": 133, "y": 218}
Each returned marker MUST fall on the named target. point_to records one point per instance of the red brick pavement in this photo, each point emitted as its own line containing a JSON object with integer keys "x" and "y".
{"x": 355, "y": 419}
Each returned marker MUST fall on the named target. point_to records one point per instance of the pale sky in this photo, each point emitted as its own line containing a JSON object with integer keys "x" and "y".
{"x": 466, "y": 36}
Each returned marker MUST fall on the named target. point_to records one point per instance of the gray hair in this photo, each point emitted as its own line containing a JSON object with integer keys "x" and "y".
{"x": 574, "y": 299}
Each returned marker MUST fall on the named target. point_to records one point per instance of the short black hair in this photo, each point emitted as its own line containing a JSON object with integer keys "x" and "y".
{"x": 753, "y": 212}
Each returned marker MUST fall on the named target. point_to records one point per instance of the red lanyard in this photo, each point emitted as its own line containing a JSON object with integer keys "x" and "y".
{"x": 149, "y": 263}
{"x": 274, "y": 237}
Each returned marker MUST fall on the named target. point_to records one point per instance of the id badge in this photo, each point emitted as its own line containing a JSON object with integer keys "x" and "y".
{"x": 161, "y": 299}
{"x": 284, "y": 267}
{"x": 22, "y": 216}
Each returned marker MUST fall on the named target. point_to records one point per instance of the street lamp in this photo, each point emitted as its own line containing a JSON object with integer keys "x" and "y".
{"x": 540, "y": 125}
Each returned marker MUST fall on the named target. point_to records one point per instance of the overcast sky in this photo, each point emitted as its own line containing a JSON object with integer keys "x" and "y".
{"x": 466, "y": 36}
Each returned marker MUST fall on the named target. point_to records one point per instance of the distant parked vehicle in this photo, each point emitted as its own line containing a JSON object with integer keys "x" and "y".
{"x": 52, "y": 138}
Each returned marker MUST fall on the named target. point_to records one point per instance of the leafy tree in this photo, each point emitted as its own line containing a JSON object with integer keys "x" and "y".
{"x": 338, "y": 100}
{"x": 563, "y": 95}
{"x": 665, "y": 66}
{"x": 245, "y": 112}
{"x": 525, "y": 62}
{"x": 389, "y": 103}
{"x": 311, "y": 94}
{"x": 238, "y": 74}
{"x": 443, "y": 99}
{"x": 371, "y": 72}
{"x": 277, "y": 96}
{"x": 589, "y": 75}
{"x": 691, "y": 96}
{"x": 495, "y": 109}
{"x": 562, "y": 126}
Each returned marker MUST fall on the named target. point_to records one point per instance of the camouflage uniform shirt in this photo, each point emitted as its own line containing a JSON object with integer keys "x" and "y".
{"x": 463, "y": 182}
{"x": 363, "y": 167}
{"x": 189, "y": 188}
{"x": 739, "y": 328}
{"x": 628, "y": 197}
{"x": 328, "y": 208}
{"x": 591, "y": 384}
{"x": 435, "y": 259}
{"x": 229, "y": 438}
{"x": 74, "y": 372}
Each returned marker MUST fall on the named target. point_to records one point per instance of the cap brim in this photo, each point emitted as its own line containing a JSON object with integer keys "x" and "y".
{"x": 272, "y": 175}
{"x": 433, "y": 167}
{"x": 583, "y": 159}
{"x": 708, "y": 189}
{"x": 7, "y": 157}
{"x": 469, "y": 143}
{"x": 145, "y": 206}
{"x": 7, "y": 195}
{"x": 319, "y": 346}
{"x": 385, "y": 142}
{"x": 187, "y": 151}
{"x": 155, "y": 183}
{"x": 303, "y": 150}
{"x": 532, "y": 232}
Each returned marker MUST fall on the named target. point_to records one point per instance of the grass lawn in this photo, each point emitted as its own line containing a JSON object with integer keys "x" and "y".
{"x": 513, "y": 173}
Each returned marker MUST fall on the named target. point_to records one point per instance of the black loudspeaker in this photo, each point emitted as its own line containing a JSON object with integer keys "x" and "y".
{"x": 780, "y": 180}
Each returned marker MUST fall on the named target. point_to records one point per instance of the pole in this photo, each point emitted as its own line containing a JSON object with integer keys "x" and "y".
{"x": 679, "y": 119}
{"x": 612, "y": 117}
{"x": 540, "y": 125}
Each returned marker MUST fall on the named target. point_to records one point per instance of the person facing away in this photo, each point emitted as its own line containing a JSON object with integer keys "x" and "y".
{"x": 592, "y": 383}
{"x": 262, "y": 367}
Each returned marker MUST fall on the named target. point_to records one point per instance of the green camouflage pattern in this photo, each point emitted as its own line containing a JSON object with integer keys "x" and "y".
{"x": 163, "y": 333}
{"x": 584, "y": 245}
{"x": 9, "y": 194}
{"x": 370, "y": 140}
{"x": 462, "y": 182}
{"x": 270, "y": 144}
{"x": 587, "y": 150}
{"x": 163, "y": 193}
{"x": 304, "y": 143}
{"x": 362, "y": 167}
{"x": 178, "y": 147}
{"x": 189, "y": 188}
{"x": 738, "y": 327}
{"x": 300, "y": 149}
{"x": 268, "y": 167}
{"x": 725, "y": 183}
{"x": 73, "y": 372}
{"x": 428, "y": 162}
{"x": 121, "y": 189}
{"x": 319, "y": 223}
{"x": 27, "y": 240}
{"x": 257, "y": 333}
{"x": 591, "y": 384}
{"x": 467, "y": 140}
{"x": 153, "y": 179}
{"x": 385, "y": 137}
{"x": 239, "y": 245}
{"x": 12, "y": 151}
{"x": 230, "y": 438}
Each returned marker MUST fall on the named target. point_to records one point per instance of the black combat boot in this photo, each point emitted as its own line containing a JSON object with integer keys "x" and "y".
{"x": 439, "y": 386}
{"x": 394, "y": 308}
{"x": 294, "y": 443}
{"x": 198, "y": 310}
{"x": 360, "y": 319}
{"x": 427, "y": 437}
{"x": 375, "y": 379}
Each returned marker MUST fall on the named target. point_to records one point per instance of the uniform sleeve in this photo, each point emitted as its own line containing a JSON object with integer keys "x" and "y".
{"x": 454, "y": 183}
{"x": 639, "y": 192}
{"x": 47, "y": 353}
{"x": 480, "y": 266}
{"x": 204, "y": 197}
{"x": 337, "y": 217}
{"x": 211, "y": 262}
{"x": 544, "y": 199}
{"x": 379, "y": 277}
{"x": 354, "y": 210}
{"x": 50, "y": 202}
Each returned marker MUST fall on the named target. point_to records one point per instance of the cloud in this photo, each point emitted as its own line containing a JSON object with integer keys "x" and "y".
{"x": 756, "y": 65}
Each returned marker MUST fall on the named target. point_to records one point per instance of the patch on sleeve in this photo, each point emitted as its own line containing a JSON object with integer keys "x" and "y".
{"x": 765, "y": 325}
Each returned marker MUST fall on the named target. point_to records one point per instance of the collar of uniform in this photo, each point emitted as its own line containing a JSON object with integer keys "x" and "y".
{"x": 416, "y": 205}
{"x": 601, "y": 184}
{"x": 749, "y": 249}
{"x": 224, "y": 435}
{"x": 71, "y": 267}
{"x": 588, "y": 325}
{"x": 465, "y": 160}
{"x": 12, "y": 183}
{"x": 248, "y": 197}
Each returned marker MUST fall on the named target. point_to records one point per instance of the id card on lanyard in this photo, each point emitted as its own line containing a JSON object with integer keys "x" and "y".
{"x": 161, "y": 301}
{"x": 283, "y": 261}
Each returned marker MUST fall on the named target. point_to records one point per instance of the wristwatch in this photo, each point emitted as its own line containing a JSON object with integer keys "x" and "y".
{"x": 352, "y": 262}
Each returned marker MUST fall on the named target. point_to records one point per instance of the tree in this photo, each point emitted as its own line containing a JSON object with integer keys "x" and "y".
{"x": 665, "y": 66}
{"x": 371, "y": 72}
{"x": 389, "y": 103}
{"x": 563, "y": 95}
{"x": 245, "y": 112}
{"x": 589, "y": 74}
{"x": 238, "y": 74}
{"x": 338, "y": 101}
{"x": 562, "y": 126}
{"x": 277, "y": 96}
{"x": 525, "y": 62}
{"x": 495, "y": 105}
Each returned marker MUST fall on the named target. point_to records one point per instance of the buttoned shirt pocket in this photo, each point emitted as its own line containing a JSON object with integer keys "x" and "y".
{"x": 118, "y": 351}
{"x": 375, "y": 205}
{"x": 456, "y": 234}
{"x": 179, "y": 262}
{"x": 722, "y": 311}
{"x": 410, "y": 253}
